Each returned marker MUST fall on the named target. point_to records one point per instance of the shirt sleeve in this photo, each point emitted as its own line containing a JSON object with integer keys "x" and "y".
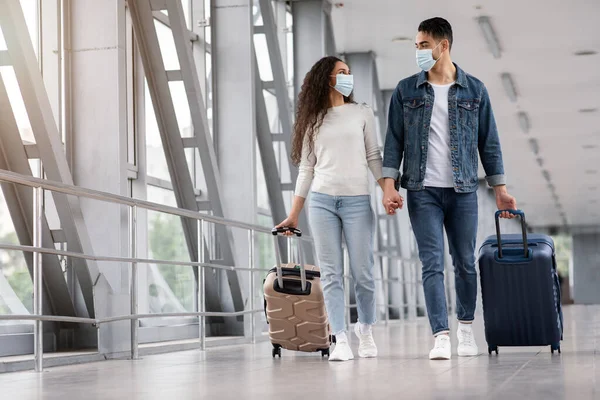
{"x": 373, "y": 151}
{"x": 306, "y": 170}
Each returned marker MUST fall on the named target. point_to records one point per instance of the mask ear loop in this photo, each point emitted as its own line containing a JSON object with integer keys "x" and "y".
{"x": 440, "y": 53}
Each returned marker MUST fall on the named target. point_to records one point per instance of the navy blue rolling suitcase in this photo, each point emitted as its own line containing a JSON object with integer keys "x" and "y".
{"x": 520, "y": 289}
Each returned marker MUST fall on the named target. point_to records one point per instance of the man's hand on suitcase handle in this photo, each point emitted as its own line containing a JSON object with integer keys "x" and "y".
{"x": 505, "y": 201}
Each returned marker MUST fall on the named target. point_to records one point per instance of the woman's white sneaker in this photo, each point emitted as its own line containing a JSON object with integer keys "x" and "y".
{"x": 341, "y": 352}
{"x": 366, "y": 346}
{"x": 442, "y": 349}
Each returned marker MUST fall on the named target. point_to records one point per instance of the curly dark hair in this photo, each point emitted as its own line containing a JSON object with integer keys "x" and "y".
{"x": 313, "y": 103}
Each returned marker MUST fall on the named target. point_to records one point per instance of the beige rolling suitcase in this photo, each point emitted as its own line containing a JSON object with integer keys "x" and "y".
{"x": 294, "y": 305}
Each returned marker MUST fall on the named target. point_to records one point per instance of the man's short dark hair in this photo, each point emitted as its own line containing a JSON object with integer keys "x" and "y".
{"x": 437, "y": 27}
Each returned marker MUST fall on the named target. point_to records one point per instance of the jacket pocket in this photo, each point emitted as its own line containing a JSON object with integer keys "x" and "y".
{"x": 413, "y": 111}
{"x": 468, "y": 115}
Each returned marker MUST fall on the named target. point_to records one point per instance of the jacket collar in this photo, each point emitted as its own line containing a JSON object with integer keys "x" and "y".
{"x": 461, "y": 78}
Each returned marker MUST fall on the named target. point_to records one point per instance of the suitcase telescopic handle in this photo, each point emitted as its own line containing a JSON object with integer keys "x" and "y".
{"x": 518, "y": 213}
{"x": 298, "y": 233}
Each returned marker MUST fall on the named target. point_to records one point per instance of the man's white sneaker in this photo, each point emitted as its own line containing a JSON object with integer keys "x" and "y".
{"x": 466, "y": 341}
{"x": 366, "y": 347}
{"x": 442, "y": 350}
{"x": 341, "y": 352}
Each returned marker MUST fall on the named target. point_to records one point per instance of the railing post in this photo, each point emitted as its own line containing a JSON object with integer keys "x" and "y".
{"x": 201, "y": 288}
{"x": 385, "y": 276}
{"x": 251, "y": 284}
{"x": 38, "y": 333}
{"x": 134, "y": 281}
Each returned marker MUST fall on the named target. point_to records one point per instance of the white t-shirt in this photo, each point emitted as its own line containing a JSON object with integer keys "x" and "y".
{"x": 345, "y": 148}
{"x": 439, "y": 161}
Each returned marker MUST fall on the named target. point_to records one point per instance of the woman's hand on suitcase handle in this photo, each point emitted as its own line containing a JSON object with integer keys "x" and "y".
{"x": 290, "y": 222}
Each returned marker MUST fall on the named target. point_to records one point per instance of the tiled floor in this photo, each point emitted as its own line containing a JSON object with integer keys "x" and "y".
{"x": 402, "y": 371}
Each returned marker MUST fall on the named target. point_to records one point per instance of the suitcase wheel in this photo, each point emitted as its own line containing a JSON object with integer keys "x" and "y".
{"x": 332, "y": 339}
{"x": 555, "y": 347}
{"x": 492, "y": 349}
{"x": 325, "y": 353}
{"x": 276, "y": 350}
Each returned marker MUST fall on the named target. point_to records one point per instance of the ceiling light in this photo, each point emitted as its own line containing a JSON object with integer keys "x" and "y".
{"x": 586, "y": 53}
{"x": 509, "y": 86}
{"x": 490, "y": 35}
{"x": 587, "y": 110}
{"x": 533, "y": 143}
{"x": 524, "y": 121}
{"x": 589, "y": 146}
{"x": 401, "y": 39}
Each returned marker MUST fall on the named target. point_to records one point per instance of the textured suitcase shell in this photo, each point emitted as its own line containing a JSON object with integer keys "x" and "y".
{"x": 297, "y": 321}
{"x": 521, "y": 297}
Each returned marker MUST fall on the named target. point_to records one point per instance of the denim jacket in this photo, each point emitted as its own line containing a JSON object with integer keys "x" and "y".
{"x": 472, "y": 131}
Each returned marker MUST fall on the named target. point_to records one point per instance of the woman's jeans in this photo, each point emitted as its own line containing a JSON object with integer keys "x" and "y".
{"x": 352, "y": 216}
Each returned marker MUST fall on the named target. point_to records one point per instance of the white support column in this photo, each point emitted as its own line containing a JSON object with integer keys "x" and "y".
{"x": 99, "y": 109}
{"x": 234, "y": 112}
{"x": 311, "y": 36}
{"x": 586, "y": 267}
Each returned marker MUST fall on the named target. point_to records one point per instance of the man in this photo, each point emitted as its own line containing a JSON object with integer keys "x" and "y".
{"x": 439, "y": 120}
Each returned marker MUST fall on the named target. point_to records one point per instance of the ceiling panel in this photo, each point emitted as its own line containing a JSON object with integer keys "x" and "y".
{"x": 539, "y": 40}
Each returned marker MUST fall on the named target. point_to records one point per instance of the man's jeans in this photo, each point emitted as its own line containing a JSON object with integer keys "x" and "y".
{"x": 430, "y": 210}
{"x": 352, "y": 216}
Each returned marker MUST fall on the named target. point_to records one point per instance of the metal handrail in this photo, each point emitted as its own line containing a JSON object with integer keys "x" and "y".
{"x": 58, "y": 187}
{"x": 39, "y": 185}
{"x": 44, "y": 250}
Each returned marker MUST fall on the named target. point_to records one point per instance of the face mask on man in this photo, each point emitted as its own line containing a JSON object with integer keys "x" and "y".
{"x": 425, "y": 59}
{"x": 344, "y": 84}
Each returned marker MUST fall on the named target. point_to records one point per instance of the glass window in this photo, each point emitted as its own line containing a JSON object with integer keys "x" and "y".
{"x": 262, "y": 57}
{"x": 167, "y": 46}
{"x": 16, "y": 286}
{"x": 155, "y": 155}
{"x": 182, "y": 108}
{"x": 17, "y": 104}
{"x": 171, "y": 288}
{"x": 30, "y": 11}
{"x": 186, "y": 12}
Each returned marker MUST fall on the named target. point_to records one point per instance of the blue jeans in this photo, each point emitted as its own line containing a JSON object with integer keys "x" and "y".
{"x": 430, "y": 210}
{"x": 352, "y": 216}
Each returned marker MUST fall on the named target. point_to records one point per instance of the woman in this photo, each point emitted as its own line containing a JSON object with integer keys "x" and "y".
{"x": 335, "y": 144}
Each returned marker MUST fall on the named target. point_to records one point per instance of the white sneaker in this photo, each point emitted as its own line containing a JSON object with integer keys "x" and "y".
{"x": 366, "y": 347}
{"x": 341, "y": 352}
{"x": 466, "y": 341}
{"x": 442, "y": 350}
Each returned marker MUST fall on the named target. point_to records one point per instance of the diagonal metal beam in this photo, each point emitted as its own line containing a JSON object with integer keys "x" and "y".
{"x": 19, "y": 200}
{"x": 48, "y": 141}
{"x": 206, "y": 148}
{"x": 147, "y": 39}
{"x": 284, "y": 106}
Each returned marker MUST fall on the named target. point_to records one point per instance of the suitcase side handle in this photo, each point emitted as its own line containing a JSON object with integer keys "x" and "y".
{"x": 521, "y": 214}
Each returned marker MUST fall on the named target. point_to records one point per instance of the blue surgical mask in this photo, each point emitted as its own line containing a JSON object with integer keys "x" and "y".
{"x": 425, "y": 59}
{"x": 344, "y": 84}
